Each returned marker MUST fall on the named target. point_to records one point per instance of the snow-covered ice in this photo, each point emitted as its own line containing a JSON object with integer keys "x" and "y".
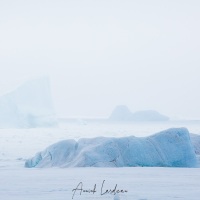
{"x": 169, "y": 148}
{"x": 142, "y": 183}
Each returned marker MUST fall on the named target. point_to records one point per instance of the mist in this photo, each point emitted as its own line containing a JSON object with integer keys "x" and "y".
{"x": 99, "y": 54}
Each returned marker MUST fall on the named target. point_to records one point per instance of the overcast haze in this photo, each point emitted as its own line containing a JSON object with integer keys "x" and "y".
{"x": 99, "y": 54}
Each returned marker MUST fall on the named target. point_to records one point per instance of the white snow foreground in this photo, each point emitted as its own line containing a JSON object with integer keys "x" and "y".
{"x": 169, "y": 148}
{"x": 28, "y": 106}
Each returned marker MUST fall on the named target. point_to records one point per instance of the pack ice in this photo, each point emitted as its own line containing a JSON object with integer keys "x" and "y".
{"x": 169, "y": 148}
{"x": 28, "y": 106}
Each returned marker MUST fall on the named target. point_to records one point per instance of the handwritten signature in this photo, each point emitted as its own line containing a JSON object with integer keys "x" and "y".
{"x": 80, "y": 190}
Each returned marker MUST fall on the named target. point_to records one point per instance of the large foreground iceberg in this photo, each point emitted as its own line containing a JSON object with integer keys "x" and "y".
{"x": 195, "y": 139}
{"x": 28, "y": 106}
{"x": 170, "y": 148}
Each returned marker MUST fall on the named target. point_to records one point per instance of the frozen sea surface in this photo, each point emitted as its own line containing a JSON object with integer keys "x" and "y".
{"x": 19, "y": 183}
{"x": 141, "y": 183}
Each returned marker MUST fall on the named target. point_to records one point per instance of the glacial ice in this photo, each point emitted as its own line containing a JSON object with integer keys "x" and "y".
{"x": 195, "y": 139}
{"x": 169, "y": 148}
{"x": 28, "y": 106}
{"x": 122, "y": 113}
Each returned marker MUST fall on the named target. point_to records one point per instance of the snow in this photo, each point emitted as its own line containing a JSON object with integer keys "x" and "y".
{"x": 28, "y": 106}
{"x": 117, "y": 197}
{"x": 122, "y": 113}
{"x": 170, "y": 148}
{"x": 142, "y": 183}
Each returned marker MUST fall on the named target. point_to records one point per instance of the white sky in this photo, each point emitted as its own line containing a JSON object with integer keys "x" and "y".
{"x": 101, "y": 53}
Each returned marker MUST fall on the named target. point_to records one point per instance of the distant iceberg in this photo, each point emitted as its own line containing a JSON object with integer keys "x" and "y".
{"x": 122, "y": 113}
{"x": 28, "y": 106}
{"x": 169, "y": 148}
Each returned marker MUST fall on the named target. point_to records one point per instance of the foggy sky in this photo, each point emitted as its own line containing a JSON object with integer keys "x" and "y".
{"x": 103, "y": 53}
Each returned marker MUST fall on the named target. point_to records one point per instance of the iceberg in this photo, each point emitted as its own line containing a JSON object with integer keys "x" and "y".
{"x": 196, "y": 143}
{"x": 169, "y": 148}
{"x": 122, "y": 113}
{"x": 28, "y": 106}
